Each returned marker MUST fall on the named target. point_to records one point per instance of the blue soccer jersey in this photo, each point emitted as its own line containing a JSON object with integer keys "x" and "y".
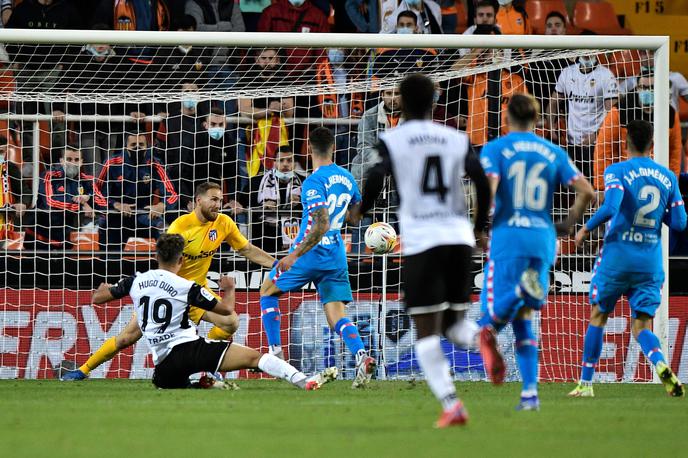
{"x": 639, "y": 195}
{"x": 529, "y": 169}
{"x": 334, "y": 188}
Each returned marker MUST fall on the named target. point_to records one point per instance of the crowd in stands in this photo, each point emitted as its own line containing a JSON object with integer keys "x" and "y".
{"x": 131, "y": 175}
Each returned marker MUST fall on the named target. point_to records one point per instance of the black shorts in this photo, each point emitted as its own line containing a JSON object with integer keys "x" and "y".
{"x": 199, "y": 355}
{"x": 438, "y": 279}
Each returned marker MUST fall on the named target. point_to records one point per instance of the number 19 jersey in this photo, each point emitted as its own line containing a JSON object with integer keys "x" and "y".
{"x": 529, "y": 169}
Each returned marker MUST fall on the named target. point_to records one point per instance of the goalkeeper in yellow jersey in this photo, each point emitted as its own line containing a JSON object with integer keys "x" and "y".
{"x": 204, "y": 230}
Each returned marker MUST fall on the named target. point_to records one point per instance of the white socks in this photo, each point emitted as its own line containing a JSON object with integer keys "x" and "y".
{"x": 436, "y": 369}
{"x": 276, "y": 367}
{"x": 463, "y": 333}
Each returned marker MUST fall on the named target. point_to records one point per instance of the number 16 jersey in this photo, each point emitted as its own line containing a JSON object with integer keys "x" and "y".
{"x": 529, "y": 169}
{"x": 428, "y": 163}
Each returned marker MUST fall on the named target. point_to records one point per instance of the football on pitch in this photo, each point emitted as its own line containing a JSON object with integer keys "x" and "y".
{"x": 380, "y": 238}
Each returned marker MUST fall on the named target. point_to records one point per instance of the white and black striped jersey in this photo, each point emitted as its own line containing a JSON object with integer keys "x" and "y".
{"x": 428, "y": 162}
{"x": 162, "y": 301}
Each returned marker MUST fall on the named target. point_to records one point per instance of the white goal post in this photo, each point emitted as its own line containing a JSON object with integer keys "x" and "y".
{"x": 574, "y": 45}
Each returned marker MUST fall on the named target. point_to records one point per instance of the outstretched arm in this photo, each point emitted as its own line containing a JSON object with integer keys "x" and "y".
{"x": 612, "y": 201}
{"x": 256, "y": 255}
{"x": 106, "y": 292}
{"x": 320, "y": 226}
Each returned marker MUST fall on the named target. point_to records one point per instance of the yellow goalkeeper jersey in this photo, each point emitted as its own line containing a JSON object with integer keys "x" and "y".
{"x": 202, "y": 242}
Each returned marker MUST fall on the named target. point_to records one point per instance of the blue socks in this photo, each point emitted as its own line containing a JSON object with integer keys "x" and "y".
{"x": 349, "y": 333}
{"x": 592, "y": 348}
{"x": 650, "y": 345}
{"x": 270, "y": 314}
{"x": 526, "y": 356}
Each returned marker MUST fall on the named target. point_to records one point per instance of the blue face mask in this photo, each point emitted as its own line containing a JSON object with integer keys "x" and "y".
{"x": 415, "y": 3}
{"x": 646, "y": 97}
{"x": 189, "y": 104}
{"x": 335, "y": 55}
{"x": 216, "y": 133}
{"x": 436, "y": 96}
{"x": 297, "y": 3}
{"x": 404, "y": 30}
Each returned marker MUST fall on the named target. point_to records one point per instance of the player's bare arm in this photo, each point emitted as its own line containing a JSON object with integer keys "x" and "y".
{"x": 321, "y": 224}
{"x": 584, "y": 194}
{"x": 256, "y": 255}
{"x": 102, "y": 294}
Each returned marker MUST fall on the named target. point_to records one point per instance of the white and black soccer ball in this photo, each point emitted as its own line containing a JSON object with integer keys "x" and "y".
{"x": 381, "y": 238}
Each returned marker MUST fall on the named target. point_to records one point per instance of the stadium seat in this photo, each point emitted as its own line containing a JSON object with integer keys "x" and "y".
{"x": 14, "y": 241}
{"x": 84, "y": 241}
{"x": 141, "y": 247}
{"x": 461, "y": 17}
{"x": 598, "y": 17}
{"x": 539, "y": 9}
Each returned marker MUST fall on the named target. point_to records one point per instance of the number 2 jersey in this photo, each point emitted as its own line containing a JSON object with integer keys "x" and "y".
{"x": 333, "y": 188}
{"x": 639, "y": 195}
{"x": 162, "y": 301}
{"x": 530, "y": 169}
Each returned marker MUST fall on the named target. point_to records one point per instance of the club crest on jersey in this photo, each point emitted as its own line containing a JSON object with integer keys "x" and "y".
{"x": 592, "y": 83}
{"x": 212, "y": 235}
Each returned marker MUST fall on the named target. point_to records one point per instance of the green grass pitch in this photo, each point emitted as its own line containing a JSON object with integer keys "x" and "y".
{"x": 127, "y": 419}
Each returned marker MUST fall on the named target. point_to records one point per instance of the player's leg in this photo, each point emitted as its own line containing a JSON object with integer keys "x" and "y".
{"x": 129, "y": 336}
{"x": 534, "y": 282}
{"x": 604, "y": 293}
{"x": 436, "y": 368}
{"x": 500, "y": 300}
{"x": 270, "y": 314}
{"x": 225, "y": 325}
{"x": 335, "y": 311}
{"x": 334, "y": 290}
{"x": 456, "y": 327}
{"x": 239, "y": 357}
{"x": 425, "y": 297}
{"x": 645, "y": 298}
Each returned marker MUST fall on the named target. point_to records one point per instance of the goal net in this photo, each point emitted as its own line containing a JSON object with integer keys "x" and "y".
{"x": 109, "y": 133}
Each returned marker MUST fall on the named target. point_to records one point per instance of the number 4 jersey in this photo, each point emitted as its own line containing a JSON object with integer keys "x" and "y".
{"x": 428, "y": 163}
{"x": 162, "y": 301}
{"x": 530, "y": 169}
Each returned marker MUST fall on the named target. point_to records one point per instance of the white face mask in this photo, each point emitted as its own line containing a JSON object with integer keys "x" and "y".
{"x": 587, "y": 62}
{"x": 297, "y": 3}
{"x": 404, "y": 30}
{"x": 71, "y": 170}
{"x": 505, "y": 2}
{"x": 2, "y": 159}
{"x": 284, "y": 176}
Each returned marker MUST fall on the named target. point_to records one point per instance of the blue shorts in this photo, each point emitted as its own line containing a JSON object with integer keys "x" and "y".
{"x": 644, "y": 290}
{"x": 332, "y": 284}
{"x": 498, "y": 297}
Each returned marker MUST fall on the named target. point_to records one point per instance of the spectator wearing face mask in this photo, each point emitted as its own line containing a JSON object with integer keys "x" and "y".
{"x": 610, "y": 146}
{"x": 390, "y": 61}
{"x": 138, "y": 192}
{"x": 275, "y": 202}
{"x": 512, "y": 18}
{"x": 67, "y": 200}
{"x": 181, "y": 128}
{"x": 428, "y": 13}
{"x": 215, "y": 159}
{"x": 589, "y": 91}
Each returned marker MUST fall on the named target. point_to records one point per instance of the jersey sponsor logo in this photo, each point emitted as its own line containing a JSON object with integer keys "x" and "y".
{"x": 312, "y": 193}
{"x": 639, "y": 237}
{"x": 161, "y": 339}
{"x": 518, "y": 220}
{"x": 207, "y": 294}
{"x": 200, "y": 255}
{"x": 212, "y": 235}
{"x": 486, "y": 163}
